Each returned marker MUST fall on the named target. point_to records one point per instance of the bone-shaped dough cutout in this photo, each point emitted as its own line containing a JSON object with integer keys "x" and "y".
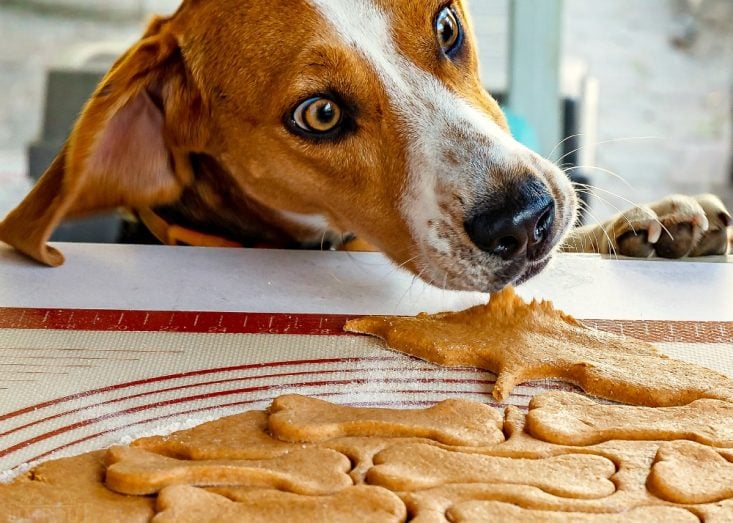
{"x": 310, "y": 471}
{"x": 452, "y": 422}
{"x": 242, "y": 436}
{"x": 571, "y": 419}
{"x": 184, "y": 504}
{"x": 507, "y": 513}
{"x": 418, "y": 467}
{"x": 689, "y": 473}
{"x": 522, "y": 342}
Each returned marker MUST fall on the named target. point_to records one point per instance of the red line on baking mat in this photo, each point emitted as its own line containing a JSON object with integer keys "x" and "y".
{"x": 668, "y": 331}
{"x": 303, "y": 324}
{"x": 103, "y": 351}
{"x": 188, "y": 374}
{"x": 380, "y": 404}
{"x": 263, "y": 376}
{"x": 172, "y": 321}
{"x": 176, "y": 401}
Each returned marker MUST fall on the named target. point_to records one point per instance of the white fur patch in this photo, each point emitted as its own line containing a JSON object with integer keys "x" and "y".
{"x": 432, "y": 116}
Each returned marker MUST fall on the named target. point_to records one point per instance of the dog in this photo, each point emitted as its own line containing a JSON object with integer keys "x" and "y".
{"x": 297, "y": 122}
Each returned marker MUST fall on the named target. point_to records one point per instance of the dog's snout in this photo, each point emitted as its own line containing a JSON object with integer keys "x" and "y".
{"x": 516, "y": 224}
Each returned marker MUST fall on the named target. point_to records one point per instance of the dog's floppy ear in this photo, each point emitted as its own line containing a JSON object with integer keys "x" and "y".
{"x": 130, "y": 147}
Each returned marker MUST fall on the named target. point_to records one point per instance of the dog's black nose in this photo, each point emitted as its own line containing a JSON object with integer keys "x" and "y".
{"x": 515, "y": 223}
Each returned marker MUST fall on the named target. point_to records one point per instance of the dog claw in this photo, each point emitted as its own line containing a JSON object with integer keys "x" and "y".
{"x": 654, "y": 232}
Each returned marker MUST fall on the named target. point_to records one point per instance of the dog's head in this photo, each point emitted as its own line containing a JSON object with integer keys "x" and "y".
{"x": 329, "y": 116}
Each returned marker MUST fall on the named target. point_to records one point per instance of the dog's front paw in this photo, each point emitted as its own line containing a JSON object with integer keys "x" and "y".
{"x": 719, "y": 236}
{"x": 675, "y": 227}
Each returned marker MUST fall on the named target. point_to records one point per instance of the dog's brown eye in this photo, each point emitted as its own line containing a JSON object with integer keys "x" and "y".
{"x": 317, "y": 115}
{"x": 449, "y": 31}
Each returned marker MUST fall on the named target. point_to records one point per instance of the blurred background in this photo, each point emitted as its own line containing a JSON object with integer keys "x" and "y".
{"x": 641, "y": 91}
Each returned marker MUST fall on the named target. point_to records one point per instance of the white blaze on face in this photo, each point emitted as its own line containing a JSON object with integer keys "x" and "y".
{"x": 432, "y": 115}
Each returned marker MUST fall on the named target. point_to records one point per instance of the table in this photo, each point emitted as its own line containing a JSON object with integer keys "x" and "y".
{"x": 126, "y": 341}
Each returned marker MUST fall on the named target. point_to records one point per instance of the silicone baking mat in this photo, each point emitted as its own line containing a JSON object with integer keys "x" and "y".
{"x": 74, "y": 380}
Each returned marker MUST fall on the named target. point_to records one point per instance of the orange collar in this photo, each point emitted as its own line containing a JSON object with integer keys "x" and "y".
{"x": 169, "y": 234}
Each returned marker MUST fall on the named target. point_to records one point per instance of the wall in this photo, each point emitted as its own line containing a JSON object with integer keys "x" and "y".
{"x": 490, "y": 18}
{"x": 665, "y": 111}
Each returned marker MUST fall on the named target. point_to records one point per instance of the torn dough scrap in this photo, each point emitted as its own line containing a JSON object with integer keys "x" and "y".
{"x": 522, "y": 342}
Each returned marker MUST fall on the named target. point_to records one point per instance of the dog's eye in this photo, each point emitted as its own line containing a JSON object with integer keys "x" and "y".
{"x": 449, "y": 31}
{"x": 318, "y": 115}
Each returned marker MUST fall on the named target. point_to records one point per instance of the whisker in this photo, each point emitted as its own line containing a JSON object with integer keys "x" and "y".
{"x": 376, "y": 282}
{"x": 562, "y": 142}
{"x": 601, "y": 169}
{"x": 409, "y": 260}
{"x": 630, "y": 202}
{"x": 415, "y": 277}
{"x": 604, "y": 142}
{"x": 582, "y": 207}
{"x": 608, "y": 237}
{"x": 589, "y": 191}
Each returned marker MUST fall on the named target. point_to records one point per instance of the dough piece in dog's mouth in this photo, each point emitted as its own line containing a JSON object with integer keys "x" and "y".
{"x": 522, "y": 342}
{"x": 184, "y": 504}
{"x": 310, "y": 471}
{"x": 571, "y": 419}
{"x": 451, "y": 422}
{"x": 687, "y": 472}
{"x": 420, "y": 467}
{"x": 508, "y": 513}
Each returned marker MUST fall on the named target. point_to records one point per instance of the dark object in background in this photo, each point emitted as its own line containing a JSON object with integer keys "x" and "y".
{"x": 571, "y": 153}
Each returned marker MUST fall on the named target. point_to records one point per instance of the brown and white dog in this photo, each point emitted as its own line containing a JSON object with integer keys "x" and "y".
{"x": 293, "y": 121}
